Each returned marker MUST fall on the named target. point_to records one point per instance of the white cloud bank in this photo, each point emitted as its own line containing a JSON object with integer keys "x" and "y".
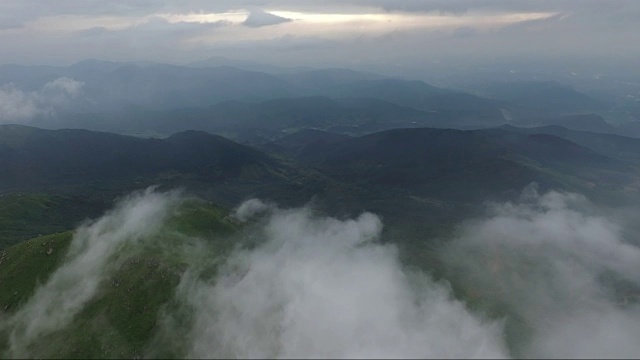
{"x": 322, "y": 287}
{"x": 565, "y": 271}
{"x": 19, "y": 106}
{"x": 547, "y": 276}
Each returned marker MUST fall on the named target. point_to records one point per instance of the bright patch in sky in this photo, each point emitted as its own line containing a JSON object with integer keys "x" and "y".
{"x": 337, "y": 26}
{"x": 304, "y": 23}
{"x": 232, "y": 17}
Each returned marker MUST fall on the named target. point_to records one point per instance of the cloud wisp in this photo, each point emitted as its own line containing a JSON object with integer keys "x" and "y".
{"x": 17, "y": 106}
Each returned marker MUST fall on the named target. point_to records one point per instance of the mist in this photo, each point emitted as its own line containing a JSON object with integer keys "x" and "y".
{"x": 562, "y": 271}
{"x": 547, "y": 275}
{"x": 18, "y": 106}
{"x": 323, "y": 287}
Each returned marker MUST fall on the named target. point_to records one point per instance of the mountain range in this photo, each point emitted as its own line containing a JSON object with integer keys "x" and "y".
{"x": 153, "y": 99}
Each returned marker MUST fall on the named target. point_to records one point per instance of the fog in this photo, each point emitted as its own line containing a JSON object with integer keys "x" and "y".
{"x": 322, "y": 287}
{"x": 18, "y": 106}
{"x": 561, "y": 267}
{"x": 548, "y": 275}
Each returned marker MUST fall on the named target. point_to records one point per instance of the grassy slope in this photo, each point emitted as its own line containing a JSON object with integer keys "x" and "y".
{"x": 122, "y": 319}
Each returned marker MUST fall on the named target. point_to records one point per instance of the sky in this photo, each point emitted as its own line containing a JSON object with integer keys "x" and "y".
{"x": 317, "y": 33}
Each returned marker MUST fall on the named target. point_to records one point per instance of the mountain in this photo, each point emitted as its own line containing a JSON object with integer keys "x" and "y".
{"x": 630, "y": 128}
{"x": 614, "y": 146}
{"x": 33, "y": 158}
{"x": 305, "y": 141}
{"x": 145, "y": 98}
{"x": 167, "y": 86}
{"x": 421, "y": 181}
{"x": 398, "y": 173}
{"x": 327, "y": 81}
{"x": 542, "y": 97}
{"x": 217, "y": 61}
{"x": 402, "y": 173}
{"x": 583, "y": 122}
{"x": 410, "y": 93}
{"x": 268, "y": 119}
{"x": 414, "y": 156}
{"x": 125, "y": 314}
{"x": 27, "y": 215}
{"x": 108, "y": 86}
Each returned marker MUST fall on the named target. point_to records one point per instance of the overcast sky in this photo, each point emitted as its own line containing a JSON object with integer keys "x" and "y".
{"x": 305, "y": 32}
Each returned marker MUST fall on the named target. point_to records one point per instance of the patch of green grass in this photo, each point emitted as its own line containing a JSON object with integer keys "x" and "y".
{"x": 24, "y": 266}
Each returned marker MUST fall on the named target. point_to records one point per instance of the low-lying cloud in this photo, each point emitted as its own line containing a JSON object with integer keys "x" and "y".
{"x": 19, "y": 106}
{"x": 548, "y": 275}
{"x": 323, "y": 287}
{"x": 562, "y": 272}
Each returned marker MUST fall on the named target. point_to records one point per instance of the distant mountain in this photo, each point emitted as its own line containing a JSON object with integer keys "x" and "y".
{"x": 269, "y": 119}
{"x": 110, "y": 86}
{"x": 398, "y": 91}
{"x": 612, "y": 145}
{"x": 304, "y": 142}
{"x": 329, "y": 81}
{"x": 122, "y": 97}
{"x": 631, "y": 128}
{"x": 440, "y": 149}
{"x": 582, "y": 122}
{"x": 453, "y": 165}
{"x": 542, "y": 98}
{"x": 217, "y": 61}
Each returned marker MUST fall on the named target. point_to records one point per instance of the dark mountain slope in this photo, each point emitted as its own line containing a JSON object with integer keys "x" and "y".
{"x": 453, "y": 166}
{"x": 62, "y": 157}
{"x": 614, "y": 146}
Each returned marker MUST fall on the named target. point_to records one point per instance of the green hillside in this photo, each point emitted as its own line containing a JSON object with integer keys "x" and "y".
{"x": 27, "y": 215}
{"x": 122, "y": 319}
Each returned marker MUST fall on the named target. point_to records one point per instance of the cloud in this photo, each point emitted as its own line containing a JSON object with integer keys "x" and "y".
{"x": 19, "y": 106}
{"x": 413, "y": 25}
{"x": 250, "y": 209}
{"x": 259, "y": 18}
{"x": 323, "y": 287}
{"x": 548, "y": 275}
{"x": 92, "y": 255}
{"x": 561, "y": 272}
